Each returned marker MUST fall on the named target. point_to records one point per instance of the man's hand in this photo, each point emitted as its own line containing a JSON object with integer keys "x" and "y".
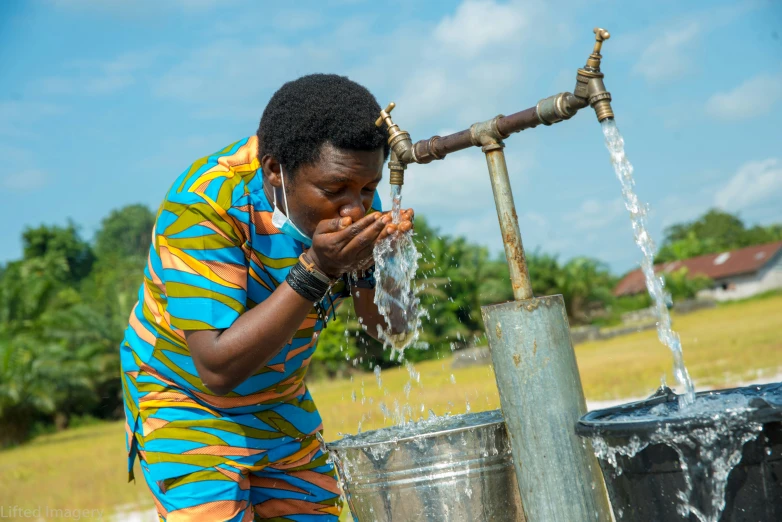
{"x": 340, "y": 246}
{"x": 405, "y": 224}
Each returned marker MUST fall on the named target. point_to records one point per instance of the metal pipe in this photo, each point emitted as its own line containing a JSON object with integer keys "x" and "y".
{"x": 509, "y": 221}
{"x": 589, "y": 90}
{"x": 542, "y": 400}
{"x": 564, "y": 105}
{"x": 519, "y": 121}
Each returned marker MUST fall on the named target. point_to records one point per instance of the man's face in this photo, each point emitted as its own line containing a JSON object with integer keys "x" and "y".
{"x": 341, "y": 183}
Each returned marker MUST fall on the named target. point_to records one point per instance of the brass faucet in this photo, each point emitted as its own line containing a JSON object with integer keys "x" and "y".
{"x": 589, "y": 81}
{"x": 401, "y": 146}
{"x": 589, "y": 90}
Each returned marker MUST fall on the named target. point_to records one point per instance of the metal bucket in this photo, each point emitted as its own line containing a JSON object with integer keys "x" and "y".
{"x": 450, "y": 469}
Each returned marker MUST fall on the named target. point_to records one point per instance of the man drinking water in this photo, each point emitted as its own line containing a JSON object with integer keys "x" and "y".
{"x": 248, "y": 262}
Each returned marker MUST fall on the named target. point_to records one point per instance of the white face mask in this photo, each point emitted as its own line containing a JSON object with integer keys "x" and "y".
{"x": 283, "y": 223}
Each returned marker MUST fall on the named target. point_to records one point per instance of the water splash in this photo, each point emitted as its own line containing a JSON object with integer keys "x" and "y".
{"x": 396, "y": 263}
{"x": 708, "y": 436}
{"x": 654, "y": 284}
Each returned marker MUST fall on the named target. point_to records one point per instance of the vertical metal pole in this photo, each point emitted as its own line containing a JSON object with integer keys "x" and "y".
{"x": 509, "y": 221}
{"x": 542, "y": 399}
{"x": 539, "y": 384}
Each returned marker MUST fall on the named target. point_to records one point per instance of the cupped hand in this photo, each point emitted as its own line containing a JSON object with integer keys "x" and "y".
{"x": 405, "y": 224}
{"x": 340, "y": 245}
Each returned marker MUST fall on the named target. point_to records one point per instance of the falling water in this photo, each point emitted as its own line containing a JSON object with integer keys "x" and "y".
{"x": 654, "y": 283}
{"x": 396, "y": 262}
{"x": 708, "y": 436}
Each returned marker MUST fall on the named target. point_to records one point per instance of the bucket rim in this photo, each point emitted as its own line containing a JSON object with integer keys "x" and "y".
{"x": 346, "y": 443}
{"x": 591, "y": 425}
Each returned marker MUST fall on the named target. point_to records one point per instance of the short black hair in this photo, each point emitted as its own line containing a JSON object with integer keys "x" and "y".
{"x": 306, "y": 113}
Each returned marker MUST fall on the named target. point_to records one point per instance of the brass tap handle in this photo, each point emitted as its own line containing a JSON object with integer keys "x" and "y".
{"x": 600, "y": 36}
{"x": 385, "y": 114}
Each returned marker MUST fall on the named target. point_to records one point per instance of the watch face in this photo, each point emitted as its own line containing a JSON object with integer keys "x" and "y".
{"x": 340, "y": 288}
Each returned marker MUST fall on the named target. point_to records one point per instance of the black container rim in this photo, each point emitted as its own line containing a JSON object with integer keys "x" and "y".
{"x": 591, "y": 425}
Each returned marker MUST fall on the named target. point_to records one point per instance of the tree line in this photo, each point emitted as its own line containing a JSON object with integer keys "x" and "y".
{"x": 65, "y": 304}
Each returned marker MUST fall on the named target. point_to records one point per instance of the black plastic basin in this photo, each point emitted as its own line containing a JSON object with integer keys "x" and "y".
{"x": 646, "y": 489}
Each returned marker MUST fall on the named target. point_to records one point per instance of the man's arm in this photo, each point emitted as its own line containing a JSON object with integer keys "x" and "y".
{"x": 366, "y": 310}
{"x": 226, "y": 358}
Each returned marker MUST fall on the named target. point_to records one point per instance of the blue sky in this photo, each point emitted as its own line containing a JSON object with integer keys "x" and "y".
{"x": 103, "y": 103}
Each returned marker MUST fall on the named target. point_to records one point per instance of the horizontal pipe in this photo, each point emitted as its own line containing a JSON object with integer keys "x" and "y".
{"x": 437, "y": 147}
{"x": 517, "y": 122}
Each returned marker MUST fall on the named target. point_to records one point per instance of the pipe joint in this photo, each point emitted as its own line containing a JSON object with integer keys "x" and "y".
{"x": 424, "y": 151}
{"x": 487, "y": 133}
{"x": 559, "y": 107}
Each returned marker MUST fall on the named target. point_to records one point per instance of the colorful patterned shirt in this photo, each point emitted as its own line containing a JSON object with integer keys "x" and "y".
{"x": 215, "y": 254}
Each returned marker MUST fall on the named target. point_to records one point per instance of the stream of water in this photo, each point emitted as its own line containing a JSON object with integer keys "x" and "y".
{"x": 654, "y": 283}
{"x": 396, "y": 262}
{"x": 707, "y": 453}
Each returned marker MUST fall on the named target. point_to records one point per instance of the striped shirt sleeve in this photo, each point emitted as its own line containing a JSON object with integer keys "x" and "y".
{"x": 204, "y": 264}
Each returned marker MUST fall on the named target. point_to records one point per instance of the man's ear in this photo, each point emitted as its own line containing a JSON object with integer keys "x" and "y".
{"x": 271, "y": 170}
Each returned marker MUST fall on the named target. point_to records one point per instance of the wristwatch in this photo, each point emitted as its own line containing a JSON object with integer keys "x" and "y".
{"x": 367, "y": 279}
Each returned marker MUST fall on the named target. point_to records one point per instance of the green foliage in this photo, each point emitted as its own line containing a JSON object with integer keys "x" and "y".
{"x": 64, "y": 307}
{"x": 682, "y": 286}
{"x": 715, "y": 231}
{"x": 125, "y": 233}
{"x": 61, "y": 249}
{"x": 337, "y": 344}
{"x": 62, "y": 315}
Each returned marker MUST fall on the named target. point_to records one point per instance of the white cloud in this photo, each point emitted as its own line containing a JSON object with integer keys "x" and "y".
{"x": 482, "y": 228}
{"x": 666, "y": 57}
{"x": 755, "y": 182}
{"x": 93, "y": 77}
{"x": 460, "y": 73}
{"x": 470, "y": 62}
{"x": 667, "y": 49}
{"x": 24, "y": 180}
{"x": 458, "y": 185}
{"x": 17, "y": 116}
{"x": 752, "y": 98}
{"x": 478, "y": 25}
{"x": 297, "y": 19}
{"x": 247, "y": 75}
{"x": 594, "y": 214}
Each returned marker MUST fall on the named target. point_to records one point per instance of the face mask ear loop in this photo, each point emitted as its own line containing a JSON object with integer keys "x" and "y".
{"x": 284, "y": 195}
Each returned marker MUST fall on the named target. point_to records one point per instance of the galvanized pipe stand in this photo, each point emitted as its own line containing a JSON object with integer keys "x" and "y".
{"x": 534, "y": 362}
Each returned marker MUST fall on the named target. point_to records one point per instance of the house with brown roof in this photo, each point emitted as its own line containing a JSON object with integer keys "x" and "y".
{"x": 738, "y": 274}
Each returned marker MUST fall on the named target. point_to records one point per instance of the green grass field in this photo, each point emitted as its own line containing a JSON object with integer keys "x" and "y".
{"x": 83, "y": 468}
